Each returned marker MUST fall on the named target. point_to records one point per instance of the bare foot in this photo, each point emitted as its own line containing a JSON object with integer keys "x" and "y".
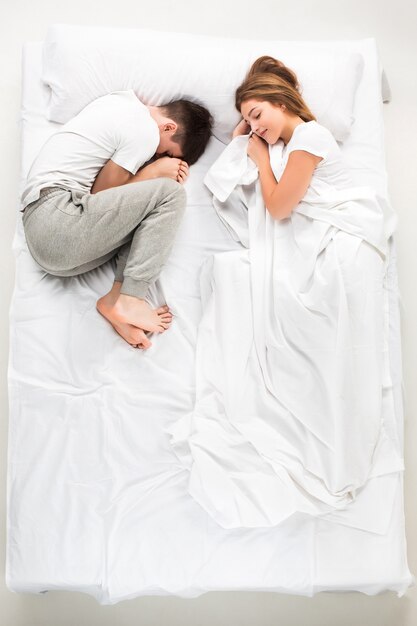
{"x": 131, "y": 310}
{"x": 131, "y": 333}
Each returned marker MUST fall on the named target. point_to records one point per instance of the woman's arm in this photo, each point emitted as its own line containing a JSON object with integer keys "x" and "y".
{"x": 282, "y": 197}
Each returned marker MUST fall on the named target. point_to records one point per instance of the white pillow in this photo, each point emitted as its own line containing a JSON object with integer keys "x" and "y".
{"x": 82, "y": 63}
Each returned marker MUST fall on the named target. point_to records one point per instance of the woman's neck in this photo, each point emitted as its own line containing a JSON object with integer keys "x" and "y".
{"x": 287, "y": 132}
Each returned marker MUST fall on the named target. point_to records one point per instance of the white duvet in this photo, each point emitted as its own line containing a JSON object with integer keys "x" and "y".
{"x": 289, "y": 367}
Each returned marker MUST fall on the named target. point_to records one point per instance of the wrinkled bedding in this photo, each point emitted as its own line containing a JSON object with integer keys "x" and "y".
{"x": 290, "y": 356}
{"x": 98, "y": 499}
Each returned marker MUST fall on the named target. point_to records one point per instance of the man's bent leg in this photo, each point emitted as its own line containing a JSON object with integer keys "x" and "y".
{"x": 71, "y": 233}
{"x": 141, "y": 261}
{"x": 90, "y": 228}
{"x": 121, "y": 260}
{"x": 152, "y": 243}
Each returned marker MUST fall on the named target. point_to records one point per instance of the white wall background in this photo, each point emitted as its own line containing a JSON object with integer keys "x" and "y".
{"x": 394, "y": 25}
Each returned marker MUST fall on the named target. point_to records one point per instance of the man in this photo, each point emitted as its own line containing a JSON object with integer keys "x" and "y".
{"x": 110, "y": 181}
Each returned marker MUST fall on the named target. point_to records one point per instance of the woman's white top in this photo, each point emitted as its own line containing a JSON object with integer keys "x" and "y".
{"x": 331, "y": 172}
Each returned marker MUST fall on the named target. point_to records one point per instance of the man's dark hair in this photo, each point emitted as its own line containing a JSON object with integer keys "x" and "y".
{"x": 194, "y": 127}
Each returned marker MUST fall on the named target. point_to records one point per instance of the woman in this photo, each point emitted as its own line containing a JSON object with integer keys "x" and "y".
{"x": 288, "y": 417}
{"x": 273, "y": 109}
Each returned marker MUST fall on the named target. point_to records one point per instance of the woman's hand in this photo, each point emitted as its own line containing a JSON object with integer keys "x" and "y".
{"x": 258, "y": 150}
{"x": 241, "y": 129}
{"x": 170, "y": 167}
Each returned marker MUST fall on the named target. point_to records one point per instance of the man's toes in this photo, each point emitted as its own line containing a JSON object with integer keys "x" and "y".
{"x": 140, "y": 340}
{"x": 162, "y": 309}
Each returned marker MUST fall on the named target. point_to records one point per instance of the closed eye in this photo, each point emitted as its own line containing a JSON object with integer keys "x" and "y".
{"x": 256, "y": 117}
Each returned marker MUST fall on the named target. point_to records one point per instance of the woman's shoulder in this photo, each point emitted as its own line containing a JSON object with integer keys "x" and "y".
{"x": 315, "y": 138}
{"x": 313, "y": 129}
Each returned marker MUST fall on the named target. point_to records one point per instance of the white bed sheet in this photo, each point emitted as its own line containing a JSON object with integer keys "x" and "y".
{"x": 97, "y": 499}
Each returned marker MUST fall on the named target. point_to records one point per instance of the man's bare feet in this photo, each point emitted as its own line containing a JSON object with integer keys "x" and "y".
{"x": 131, "y": 323}
{"x": 131, "y": 310}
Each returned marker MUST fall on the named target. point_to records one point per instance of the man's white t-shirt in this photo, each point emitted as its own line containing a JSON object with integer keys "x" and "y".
{"x": 117, "y": 126}
{"x": 331, "y": 171}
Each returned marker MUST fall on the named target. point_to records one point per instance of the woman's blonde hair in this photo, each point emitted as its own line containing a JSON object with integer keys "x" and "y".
{"x": 269, "y": 79}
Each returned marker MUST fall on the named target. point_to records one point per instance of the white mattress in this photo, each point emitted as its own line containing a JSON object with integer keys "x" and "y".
{"x": 97, "y": 499}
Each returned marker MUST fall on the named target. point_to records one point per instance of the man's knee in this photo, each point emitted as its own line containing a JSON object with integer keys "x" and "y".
{"x": 171, "y": 186}
{"x": 175, "y": 191}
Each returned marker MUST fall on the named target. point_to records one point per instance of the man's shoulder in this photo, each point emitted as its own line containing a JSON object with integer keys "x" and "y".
{"x": 120, "y": 114}
{"x": 126, "y": 96}
{"x": 127, "y": 101}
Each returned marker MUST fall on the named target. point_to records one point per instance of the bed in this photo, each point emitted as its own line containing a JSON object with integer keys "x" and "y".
{"x": 98, "y": 500}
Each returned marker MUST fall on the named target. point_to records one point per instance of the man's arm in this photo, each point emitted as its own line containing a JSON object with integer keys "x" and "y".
{"x": 113, "y": 175}
{"x": 110, "y": 175}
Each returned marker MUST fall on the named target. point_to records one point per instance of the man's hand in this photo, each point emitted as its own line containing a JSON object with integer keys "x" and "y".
{"x": 170, "y": 167}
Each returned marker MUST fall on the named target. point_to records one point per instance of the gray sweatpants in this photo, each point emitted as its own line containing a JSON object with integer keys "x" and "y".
{"x": 70, "y": 232}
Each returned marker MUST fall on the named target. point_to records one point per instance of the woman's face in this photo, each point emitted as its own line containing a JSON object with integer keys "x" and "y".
{"x": 266, "y": 120}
